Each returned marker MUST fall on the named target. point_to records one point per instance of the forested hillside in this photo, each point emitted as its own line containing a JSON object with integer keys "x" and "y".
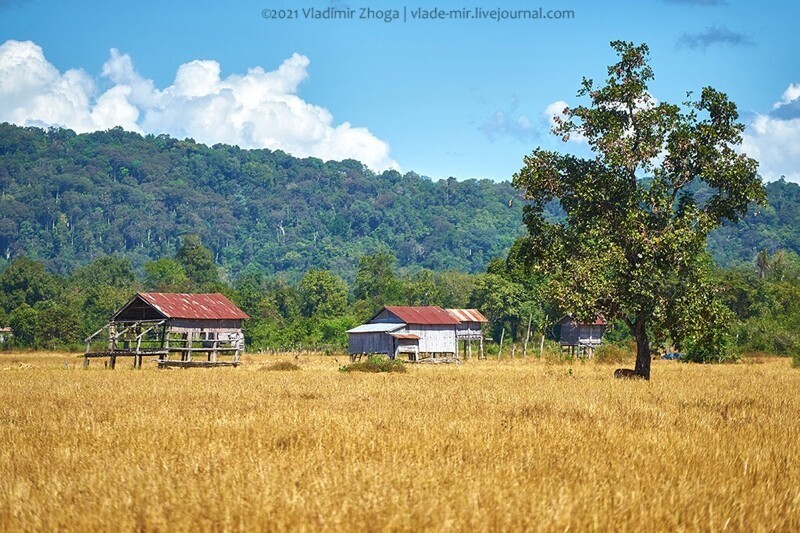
{"x": 67, "y": 198}
{"x": 772, "y": 227}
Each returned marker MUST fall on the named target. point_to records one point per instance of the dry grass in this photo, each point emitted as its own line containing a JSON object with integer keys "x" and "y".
{"x": 521, "y": 445}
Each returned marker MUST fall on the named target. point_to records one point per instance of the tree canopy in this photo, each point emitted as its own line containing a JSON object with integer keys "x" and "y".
{"x": 632, "y": 242}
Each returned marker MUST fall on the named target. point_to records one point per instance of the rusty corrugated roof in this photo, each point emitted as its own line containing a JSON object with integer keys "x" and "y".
{"x": 599, "y": 321}
{"x": 406, "y": 336}
{"x": 213, "y": 306}
{"x": 431, "y": 315}
{"x": 467, "y": 315}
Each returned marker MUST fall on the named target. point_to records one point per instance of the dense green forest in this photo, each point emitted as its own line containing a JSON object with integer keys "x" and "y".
{"x": 307, "y": 248}
{"x": 66, "y": 199}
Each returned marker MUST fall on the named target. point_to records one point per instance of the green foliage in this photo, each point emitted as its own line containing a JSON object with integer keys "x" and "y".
{"x": 375, "y": 364}
{"x": 631, "y": 248}
{"x": 197, "y": 261}
{"x": 713, "y": 343}
{"x": 376, "y": 283}
{"x": 503, "y": 302}
{"x": 68, "y": 198}
{"x": 26, "y": 281}
{"x": 56, "y": 324}
{"x": 165, "y": 275}
{"x": 322, "y": 294}
{"x": 108, "y": 271}
{"x": 24, "y": 320}
{"x": 333, "y": 331}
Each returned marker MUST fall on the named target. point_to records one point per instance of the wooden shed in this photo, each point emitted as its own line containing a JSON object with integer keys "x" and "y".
{"x": 470, "y": 328}
{"x": 579, "y": 338}
{"x": 418, "y": 331}
{"x": 195, "y": 329}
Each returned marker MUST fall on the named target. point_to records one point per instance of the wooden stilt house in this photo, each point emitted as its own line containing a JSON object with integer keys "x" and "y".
{"x": 418, "y": 331}
{"x": 470, "y": 328}
{"x": 579, "y": 338}
{"x": 179, "y": 329}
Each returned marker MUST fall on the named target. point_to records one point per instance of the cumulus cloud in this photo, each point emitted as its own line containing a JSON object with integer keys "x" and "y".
{"x": 789, "y": 106}
{"x": 774, "y": 139}
{"x": 257, "y": 109}
{"x": 716, "y": 35}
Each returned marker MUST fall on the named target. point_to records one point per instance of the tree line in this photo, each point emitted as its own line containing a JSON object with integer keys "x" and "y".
{"x": 47, "y": 310}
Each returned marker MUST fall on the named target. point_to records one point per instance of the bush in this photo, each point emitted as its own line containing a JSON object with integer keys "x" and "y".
{"x": 610, "y": 353}
{"x": 375, "y": 363}
{"x": 796, "y": 360}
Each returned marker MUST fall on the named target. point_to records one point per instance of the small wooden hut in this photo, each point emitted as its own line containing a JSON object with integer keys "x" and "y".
{"x": 579, "y": 338}
{"x": 470, "y": 328}
{"x": 197, "y": 329}
{"x": 418, "y": 331}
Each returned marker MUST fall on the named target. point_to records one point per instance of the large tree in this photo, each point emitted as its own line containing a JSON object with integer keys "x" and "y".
{"x": 632, "y": 243}
{"x": 322, "y": 295}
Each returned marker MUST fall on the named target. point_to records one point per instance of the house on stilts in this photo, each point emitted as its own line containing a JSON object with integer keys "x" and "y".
{"x": 427, "y": 332}
{"x": 579, "y": 338}
{"x": 470, "y": 328}
{"x": 183, "y": 330}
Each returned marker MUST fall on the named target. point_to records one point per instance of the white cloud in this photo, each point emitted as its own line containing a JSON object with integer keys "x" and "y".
{"x": 556, "y": 110}
{"x": 258, "y": 109}
{"x": 791, "y": 94}
{"x": 774, "y": 140}
{"x": 775, "y": 144}
{"x": 553, "y": 110}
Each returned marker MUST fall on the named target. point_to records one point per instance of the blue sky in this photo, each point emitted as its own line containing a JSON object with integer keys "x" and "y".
{"x": 463, "y": 98}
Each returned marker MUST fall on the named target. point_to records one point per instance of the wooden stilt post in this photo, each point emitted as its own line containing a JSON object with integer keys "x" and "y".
{"x": 527, "y": 337}
{"x": 500, "y": 349}
{"x": 189, "y": 345}
{"x": 112, "y": 337}
{"x": 166, "y": 342}
{"x": 541, "y": 347}
{"x": 482, "y": 354}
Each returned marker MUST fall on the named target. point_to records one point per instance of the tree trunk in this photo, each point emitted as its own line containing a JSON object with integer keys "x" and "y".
{"x": 642, "y": 349}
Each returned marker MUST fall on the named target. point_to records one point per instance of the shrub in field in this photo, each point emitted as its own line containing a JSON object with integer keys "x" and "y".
{"x": 375, "y": 363}
{"x": 796, "y": 360}
{"x": 282, "y": 365}
{"x": 610, "y": 353}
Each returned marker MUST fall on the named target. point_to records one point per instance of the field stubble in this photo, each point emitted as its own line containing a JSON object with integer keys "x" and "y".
{"x": 485, "y": 445}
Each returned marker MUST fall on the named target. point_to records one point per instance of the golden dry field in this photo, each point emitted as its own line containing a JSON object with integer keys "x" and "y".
{"x": 487, "y": 445}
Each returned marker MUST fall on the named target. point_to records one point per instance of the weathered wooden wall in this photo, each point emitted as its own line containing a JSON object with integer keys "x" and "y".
{"x": 376, "y": 342}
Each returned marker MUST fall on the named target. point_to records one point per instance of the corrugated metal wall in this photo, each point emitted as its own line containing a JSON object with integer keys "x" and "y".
{"x": 435, "y": 339}
{"x": 377, "y": 342}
